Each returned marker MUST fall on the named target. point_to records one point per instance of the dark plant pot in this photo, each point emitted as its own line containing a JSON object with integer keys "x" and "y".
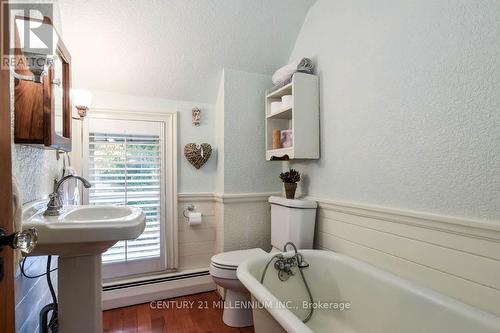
{"x": 290, "y": 189}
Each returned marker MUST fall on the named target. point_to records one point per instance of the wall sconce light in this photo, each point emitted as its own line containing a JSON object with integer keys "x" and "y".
{"x": 82, "y": 100}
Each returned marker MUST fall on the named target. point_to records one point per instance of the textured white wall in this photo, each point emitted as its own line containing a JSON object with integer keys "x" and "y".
{"x": 189, "y": 178}
{"x": 410, "y": 104}
{"x": 245, "y": 167}
{"x": 219, "y": 135}
{"x": 35, "y": 170}
{"x": 246, "y": 225}
{"x": 242, "y": 168}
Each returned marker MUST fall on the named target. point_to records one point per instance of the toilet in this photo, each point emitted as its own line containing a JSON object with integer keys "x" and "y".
{"x": 291, "y": 221}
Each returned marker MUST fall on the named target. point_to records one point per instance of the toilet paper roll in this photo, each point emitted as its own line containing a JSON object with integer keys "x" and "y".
{"x": 194, "y": 219}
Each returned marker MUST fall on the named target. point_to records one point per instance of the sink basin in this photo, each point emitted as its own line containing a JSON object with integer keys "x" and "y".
{"x": 79, "y": 236}
{"x": 83, "y": 230}
{"x": 98, "y": 214}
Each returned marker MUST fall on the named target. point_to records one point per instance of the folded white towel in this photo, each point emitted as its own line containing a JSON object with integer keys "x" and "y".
{"x": 299, "y": 65}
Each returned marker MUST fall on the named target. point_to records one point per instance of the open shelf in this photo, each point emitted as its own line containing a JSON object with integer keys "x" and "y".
{"x": 302, "y": 118}
{"x": 285, "y": 90}
{"x": 282, "y": 114}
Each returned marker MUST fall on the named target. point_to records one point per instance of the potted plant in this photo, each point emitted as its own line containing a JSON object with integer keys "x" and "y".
{"x": 290, "y": 179}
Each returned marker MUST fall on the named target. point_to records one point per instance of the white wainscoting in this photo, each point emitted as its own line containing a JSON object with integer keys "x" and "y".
{"x": 230, "y": 222}
{"x": 459, "y": 258}
{"x": 197, "y": 244}
{"x": 244, "y": 221}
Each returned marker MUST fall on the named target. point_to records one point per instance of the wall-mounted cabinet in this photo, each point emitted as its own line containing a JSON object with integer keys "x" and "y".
{"x": 298, "y": 117}
{"x": 42, "y": 105}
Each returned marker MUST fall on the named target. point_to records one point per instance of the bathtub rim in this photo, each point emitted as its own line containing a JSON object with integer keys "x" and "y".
{"x": 291, "y": 323}
{"x": 284, "y": 317}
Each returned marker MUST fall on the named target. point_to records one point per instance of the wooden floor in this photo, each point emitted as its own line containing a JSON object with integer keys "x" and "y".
{"x": 201, "y": 313}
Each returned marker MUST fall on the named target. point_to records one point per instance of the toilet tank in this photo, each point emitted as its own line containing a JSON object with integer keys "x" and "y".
{"x": 292, "y": 221}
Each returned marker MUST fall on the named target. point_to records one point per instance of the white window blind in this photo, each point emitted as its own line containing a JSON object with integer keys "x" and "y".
{"x": 130, "y": 160}
{"x": 125, "y": 169}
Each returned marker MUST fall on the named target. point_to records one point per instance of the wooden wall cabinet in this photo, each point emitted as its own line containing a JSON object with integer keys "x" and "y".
{"x": 42, "y": 110}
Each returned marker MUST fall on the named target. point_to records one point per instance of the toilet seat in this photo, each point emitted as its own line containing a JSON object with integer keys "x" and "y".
{"x": 225, "y": 264}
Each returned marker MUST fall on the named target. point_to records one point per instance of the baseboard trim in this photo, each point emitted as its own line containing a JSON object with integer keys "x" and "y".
{"x": 121, "y": 295}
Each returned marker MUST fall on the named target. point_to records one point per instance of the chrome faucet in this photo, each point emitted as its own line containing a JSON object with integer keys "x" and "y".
{"x": 55, "y": 203}
{"x": 284, "y": 264}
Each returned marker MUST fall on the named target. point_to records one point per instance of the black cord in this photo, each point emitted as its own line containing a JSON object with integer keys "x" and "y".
{"x": 53, "y": 324}
{"x": 21, "y": 266}
{"x": 49, "y": 280}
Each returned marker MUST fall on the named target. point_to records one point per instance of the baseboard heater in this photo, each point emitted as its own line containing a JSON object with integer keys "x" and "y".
{"x": 154, "y": 289}
{"x": 156, "y": 280}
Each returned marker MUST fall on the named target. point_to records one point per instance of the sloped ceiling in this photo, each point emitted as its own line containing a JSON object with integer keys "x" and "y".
{"x": 176, "y": 49}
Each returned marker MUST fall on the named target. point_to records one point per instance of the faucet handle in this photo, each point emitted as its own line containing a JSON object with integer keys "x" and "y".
{"x": 54, "y": 205}
{"x": 279, "y": 265}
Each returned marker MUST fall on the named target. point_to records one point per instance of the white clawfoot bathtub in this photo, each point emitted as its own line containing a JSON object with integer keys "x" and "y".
{"x": 355, "y": 297}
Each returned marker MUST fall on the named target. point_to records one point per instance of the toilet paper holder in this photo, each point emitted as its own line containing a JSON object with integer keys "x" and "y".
{"x": 188, "y": 208}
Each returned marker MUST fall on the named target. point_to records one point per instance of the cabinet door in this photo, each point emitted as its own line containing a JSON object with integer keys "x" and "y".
{"x": 57, "y": 104}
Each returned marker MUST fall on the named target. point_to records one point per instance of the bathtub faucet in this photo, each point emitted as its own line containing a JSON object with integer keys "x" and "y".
{"x": 301, "y": 263}
{"x": 284, "y": 264}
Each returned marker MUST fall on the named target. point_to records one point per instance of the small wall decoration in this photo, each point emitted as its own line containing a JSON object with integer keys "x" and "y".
{"x": 196, "y": 116}
{"x": 197, "y": 155}
{"x": 287, "y": 138}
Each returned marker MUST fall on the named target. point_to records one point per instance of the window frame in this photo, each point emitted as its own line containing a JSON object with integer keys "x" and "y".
{"x": 169, "y": 204}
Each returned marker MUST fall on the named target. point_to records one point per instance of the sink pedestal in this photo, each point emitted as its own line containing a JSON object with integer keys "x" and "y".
{"x": 79, "y": 294}
{"x": 78, "y": 236}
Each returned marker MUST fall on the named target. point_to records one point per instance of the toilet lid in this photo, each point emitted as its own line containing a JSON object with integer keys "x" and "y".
{"x": 234, "y": 258}
{"x": 293, "y": 203}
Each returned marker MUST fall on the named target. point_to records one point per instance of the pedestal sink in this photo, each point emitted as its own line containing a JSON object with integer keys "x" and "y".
{"x": 79, "y": 236}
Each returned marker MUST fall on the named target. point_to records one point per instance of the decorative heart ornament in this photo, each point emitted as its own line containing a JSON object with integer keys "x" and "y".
{"x": 197, "y": 155}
